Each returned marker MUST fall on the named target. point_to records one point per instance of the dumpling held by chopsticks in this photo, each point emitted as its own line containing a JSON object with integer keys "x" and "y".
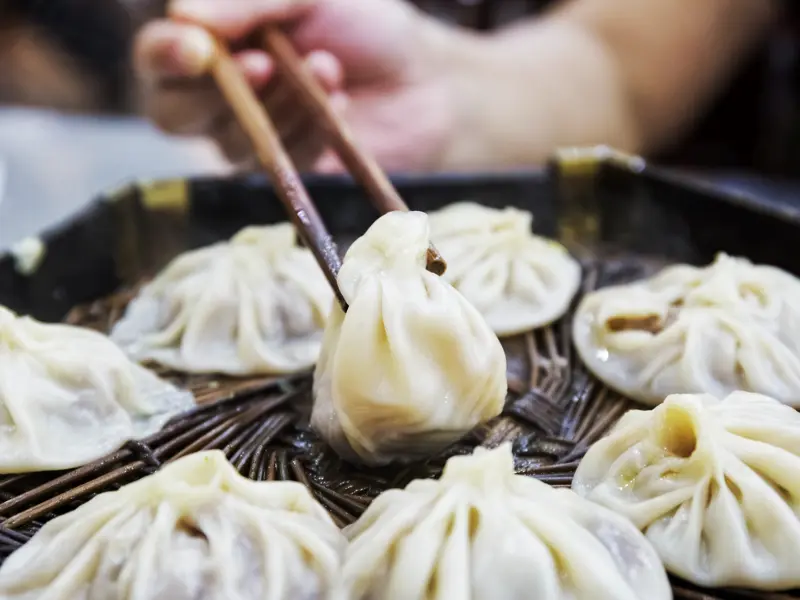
{"x": 254, "y": 305}
{"x": 411, "y": 366}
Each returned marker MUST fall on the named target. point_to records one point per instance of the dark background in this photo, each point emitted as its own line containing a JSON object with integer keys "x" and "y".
{"x": 80, "y": 50}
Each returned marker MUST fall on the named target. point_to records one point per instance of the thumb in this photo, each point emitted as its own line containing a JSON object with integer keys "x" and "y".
{"x": 168, "y": 49}
{"x": 235, "y": 19}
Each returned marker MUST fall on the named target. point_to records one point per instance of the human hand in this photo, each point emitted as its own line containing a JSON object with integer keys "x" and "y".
{"x": 376, "y": 58}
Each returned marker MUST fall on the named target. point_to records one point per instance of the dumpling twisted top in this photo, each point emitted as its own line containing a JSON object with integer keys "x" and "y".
{"x": 713, "y": 483}
{"x": 483, "y": 532}
{"x": 411, "y": 366}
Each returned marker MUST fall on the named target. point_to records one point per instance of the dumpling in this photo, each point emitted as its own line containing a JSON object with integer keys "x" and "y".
{"x": 254, "y": 305}
{"x": 484, "y": 533}
{"x": 517, "y": 280}
{"x": 194, "y": 530}
{"x": 412, "y": 366}
{"x": 69, "y": 396}
{"x": 713, "y": 484}
{"x": 729, "y": 326}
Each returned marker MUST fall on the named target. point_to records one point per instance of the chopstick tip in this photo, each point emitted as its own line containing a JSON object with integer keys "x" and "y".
{"x": 435, "y": 263}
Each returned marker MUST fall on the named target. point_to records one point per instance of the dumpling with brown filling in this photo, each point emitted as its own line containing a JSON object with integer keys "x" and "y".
{"x": 731, "y": 325}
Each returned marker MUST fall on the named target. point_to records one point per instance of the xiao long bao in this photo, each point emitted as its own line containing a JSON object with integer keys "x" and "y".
{"x": 483, "y": 532}
{"x": 254, "y": 305}
{"x": 195, "y": 529}
{"x": 517, "y": 280}
{"x": 412, "y": 366}
{"x": 713, "y": 484}
{"x": 729, "y": 326}
{"x": 69, "y": 396}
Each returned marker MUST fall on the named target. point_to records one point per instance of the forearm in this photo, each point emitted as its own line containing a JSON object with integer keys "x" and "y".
{"x": 583, "y": 75}
{"x": 518, "y": 99}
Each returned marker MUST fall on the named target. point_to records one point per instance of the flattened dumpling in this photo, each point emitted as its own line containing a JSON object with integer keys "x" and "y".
{"x": 69, "y": 396}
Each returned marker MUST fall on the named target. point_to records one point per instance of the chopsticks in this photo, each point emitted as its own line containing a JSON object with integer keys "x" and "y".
{"x": 258, "y": 126}
{"x": 361, "y": 165}
{"x": 272, "y": 155}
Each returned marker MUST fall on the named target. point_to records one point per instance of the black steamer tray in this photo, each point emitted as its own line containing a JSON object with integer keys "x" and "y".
{"x": 622, "y": 217}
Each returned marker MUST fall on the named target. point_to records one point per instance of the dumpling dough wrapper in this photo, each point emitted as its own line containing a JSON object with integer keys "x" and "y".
{"x": 412, "y": 366}
{"x": 728, "y": 326}
{"x": 517, "y": 280}
{"x": 255, "y": 305}
{"x": 194, "y": 529}
{"x": 69, "y": 395}
{"x": 714, "y": 484}
{"x": 483, "y": 532}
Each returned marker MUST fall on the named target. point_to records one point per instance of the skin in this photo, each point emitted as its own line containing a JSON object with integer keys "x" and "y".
{"x": 424, "y": 96}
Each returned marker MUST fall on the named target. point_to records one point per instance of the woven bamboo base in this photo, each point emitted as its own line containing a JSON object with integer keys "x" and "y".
{"x": 555, "y": 410}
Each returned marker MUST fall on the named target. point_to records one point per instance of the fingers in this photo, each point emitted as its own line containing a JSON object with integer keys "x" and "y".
{"x": 236, "y": 19}
{"x": 189, "y": 107}
{"x": 284, "y": 114}
{"x": 327, "y": 69}
{"x": 292, "y": 121}
{"x": 328, "y": 163}
{"x": 172, "y": 58}
{"x": 185, "y": 112}
{"x": 308, "y": 146}
{"x": 165, "y": 49}
{"x": 182, "y": 46}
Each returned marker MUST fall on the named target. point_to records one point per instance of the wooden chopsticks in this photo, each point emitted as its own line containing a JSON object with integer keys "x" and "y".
{"x": 258, "y": 126}
{"x": 272, "y": 155}
{"x": 361, "y": 165}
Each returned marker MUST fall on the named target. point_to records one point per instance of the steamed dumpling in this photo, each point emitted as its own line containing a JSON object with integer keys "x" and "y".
{"x": 517, "y": 280}
{"x": 728, "y": 326}
{"x": 412, "y": 366}
{"x": 714, "y": 484}
{"x": 194, "y": 530}
{"x": 482, "y": 532}
{"x": 69, "y": 396}
{"x": 254, "y": 305}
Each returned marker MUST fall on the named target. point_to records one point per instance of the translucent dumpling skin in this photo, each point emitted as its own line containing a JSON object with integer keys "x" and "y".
{"x": 484, "y": 533}
{"x": 412, "y": 366}
{"x": 254, "y": 305}
{"x": 729, "y": 326}
{"x": 517, "y": 280}
{"x": 713, "y": 483}
{"x": 196, "y": 530}
{"x": 69, "y": 396}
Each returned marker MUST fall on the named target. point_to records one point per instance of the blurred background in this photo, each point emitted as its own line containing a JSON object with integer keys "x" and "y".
{"x": 68, "y": 125}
